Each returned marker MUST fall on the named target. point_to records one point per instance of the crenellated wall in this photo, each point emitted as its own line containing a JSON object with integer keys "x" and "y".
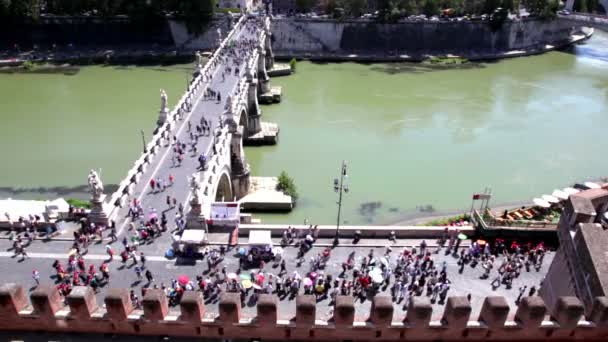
{"x": 45, "y": 311}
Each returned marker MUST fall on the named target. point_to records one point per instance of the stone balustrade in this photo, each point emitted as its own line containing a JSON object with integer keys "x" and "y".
{"x": 47, "y": 311}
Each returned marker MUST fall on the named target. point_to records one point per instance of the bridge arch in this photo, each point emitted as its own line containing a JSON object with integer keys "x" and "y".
{"x": 223, "y": 187}
{"x": 244, "y": 119}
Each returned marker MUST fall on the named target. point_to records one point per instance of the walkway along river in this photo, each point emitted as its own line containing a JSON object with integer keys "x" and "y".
{"x": 413, "y": 135}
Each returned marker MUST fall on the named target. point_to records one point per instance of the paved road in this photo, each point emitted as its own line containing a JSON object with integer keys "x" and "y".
{"x": 164, "y": 270}
{"x": 162, "y": 165}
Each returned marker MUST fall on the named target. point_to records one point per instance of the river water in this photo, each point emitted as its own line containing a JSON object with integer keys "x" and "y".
{"x": 418, "y": 140}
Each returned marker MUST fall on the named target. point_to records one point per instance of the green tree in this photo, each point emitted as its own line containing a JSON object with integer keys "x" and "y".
{"x": 196, "y": 13}
{"x": 430, "y": 8}
{"x": 305, "y": 6}
{"x": 490, "y": 6}
{"x": 580, "y": 6}
{"x": 287, "y": 186}
{"x": 408, "y": 7}
{"x": 355, "y": 8}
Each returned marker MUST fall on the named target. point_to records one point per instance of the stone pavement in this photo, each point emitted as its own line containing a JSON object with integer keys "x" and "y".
{"x": 164, "y": 270}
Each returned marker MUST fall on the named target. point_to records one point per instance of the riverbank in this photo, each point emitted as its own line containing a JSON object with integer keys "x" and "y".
{"x": 320, "y": 41}
{"x": 320, "y": 56}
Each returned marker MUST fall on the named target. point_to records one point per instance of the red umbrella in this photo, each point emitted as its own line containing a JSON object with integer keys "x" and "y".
{"x": 183, "y": 280}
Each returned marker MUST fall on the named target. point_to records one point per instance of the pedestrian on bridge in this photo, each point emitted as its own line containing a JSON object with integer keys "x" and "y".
{"x": 110, "y": 252}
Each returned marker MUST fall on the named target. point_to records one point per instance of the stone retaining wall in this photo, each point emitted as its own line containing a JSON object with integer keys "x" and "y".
{"x": 45, "y": 311}
{"x": 415, "y": 39}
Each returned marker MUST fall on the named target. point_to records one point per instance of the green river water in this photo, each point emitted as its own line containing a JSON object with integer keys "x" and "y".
{"x": 413, "y": 136}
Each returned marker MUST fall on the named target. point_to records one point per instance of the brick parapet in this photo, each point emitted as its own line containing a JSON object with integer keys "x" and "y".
{"x": 532, "y": 321}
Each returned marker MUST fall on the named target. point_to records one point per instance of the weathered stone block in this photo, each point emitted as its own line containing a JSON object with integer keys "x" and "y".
{"x": 419, "y": 312}
{"x": 192, "y": 307}
{"x": 344, "y": 313}
{"x": 531, "y": 312}
{"x": 12, "y": 300}
{"x": 267, "y": 310}
{"x": 382, "y": 310}
{"x": 494, "y": 311}
{"x": 457, "y": 312}
{"x": 155, "y": 305}
{"x": 230, "y": 307}
{"x": 118, "y": 304}
{"x": 46, "y": 301}
{"x": 568, "y": 312}
{"x": 82, "y": 302}
{"x": 599, "y": 312}
{"x": 306, "y": 310}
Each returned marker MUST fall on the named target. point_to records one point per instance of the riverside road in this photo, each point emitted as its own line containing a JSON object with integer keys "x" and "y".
{"x": 42, "y": 254}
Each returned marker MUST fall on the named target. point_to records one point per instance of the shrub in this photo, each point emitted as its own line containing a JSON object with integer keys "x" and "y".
{"x": 78, "y": 203}
{"x": 287, "y": 186}
{"x": 29, "y": 65}
{"x": 292, "y": 64}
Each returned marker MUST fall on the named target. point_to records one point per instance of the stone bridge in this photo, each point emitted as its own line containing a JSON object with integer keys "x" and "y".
{"x": 237, "y": 70}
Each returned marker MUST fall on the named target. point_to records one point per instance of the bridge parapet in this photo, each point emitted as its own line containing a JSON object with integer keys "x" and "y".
{"x": 496, "y": 321}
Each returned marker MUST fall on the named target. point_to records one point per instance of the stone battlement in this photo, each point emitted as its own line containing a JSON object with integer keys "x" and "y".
{"x": 45, "y": 311}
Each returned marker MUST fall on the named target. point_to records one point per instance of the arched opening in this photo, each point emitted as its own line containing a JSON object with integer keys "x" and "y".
{"x": 223, "y": 193}
{"x": 244, "y": 121}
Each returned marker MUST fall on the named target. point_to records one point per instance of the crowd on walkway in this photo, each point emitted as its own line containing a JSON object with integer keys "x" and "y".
{"x": 402, "y": 273}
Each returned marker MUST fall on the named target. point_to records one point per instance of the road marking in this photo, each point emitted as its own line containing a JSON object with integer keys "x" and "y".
{"x": 33, "y": 255}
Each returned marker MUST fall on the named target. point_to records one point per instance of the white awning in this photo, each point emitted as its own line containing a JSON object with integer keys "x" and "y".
{"x": 541, "y": 203}
{"x": 260, "y": 238}
{"x": 560, "y": 194}
{"x": 592, "y": 185}
{"x": 550, "y": 199}
{"x": 193, "y": 236}
{"x": 571, "y": 191}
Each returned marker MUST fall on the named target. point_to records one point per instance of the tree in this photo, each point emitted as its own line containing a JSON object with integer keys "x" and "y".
{"x": 287, "y": 186}
{"x": 196, "y": 13}
{"x": 430, "y": 8}
{"x": 305, "y": 6}
{"x": 355, "y": 8}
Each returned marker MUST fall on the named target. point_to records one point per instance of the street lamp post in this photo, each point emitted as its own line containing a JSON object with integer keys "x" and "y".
{"x": 340, "y": 186}
{"x": 143, "y": 141}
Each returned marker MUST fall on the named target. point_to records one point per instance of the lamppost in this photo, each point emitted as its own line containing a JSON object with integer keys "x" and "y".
{"x": 143, "y": 141}
{"x": 340, "y": 186}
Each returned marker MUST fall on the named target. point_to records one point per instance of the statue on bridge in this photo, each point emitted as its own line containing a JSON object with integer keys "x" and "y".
{"x": 228, "y": 106}
{"x": 95, "y": 186}
{"x": 199, "y": 62}
{"x": 219, "y": 36}
{"x": 199, "y": 58}
{"x": 195, "y": 187}
{"x": 163, "y": 100}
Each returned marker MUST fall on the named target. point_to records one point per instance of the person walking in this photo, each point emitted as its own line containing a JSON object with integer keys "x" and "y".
{"x": 112, "y": 235}
{"x": 110, "y": 252}
{"x": 149, "y": 276}
{"x": 171, "y": 179}
{"x": 36, "y": 276}
{"x": 522, "y": 290}
{"x": 138, "y": 272}
{"x": 142, "y": 259}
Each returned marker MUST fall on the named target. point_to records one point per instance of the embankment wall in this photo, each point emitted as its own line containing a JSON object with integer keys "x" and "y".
{"x": 302, "y": 37}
